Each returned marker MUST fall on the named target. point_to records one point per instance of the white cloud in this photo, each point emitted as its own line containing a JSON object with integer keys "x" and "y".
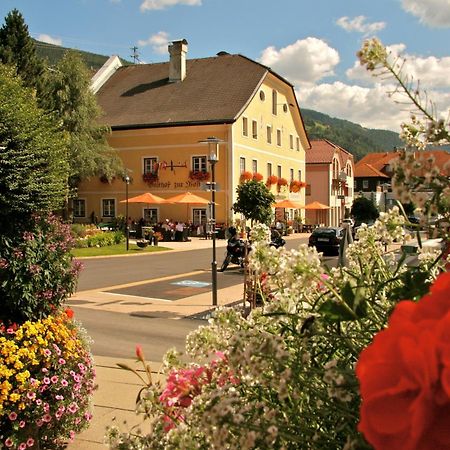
{"x": 431, "y": 70}
{"x": 163, "y": 4}
{"x": 432, "y": 12}
{"x": 159, "y": 42}
{"x": 369, "y": 107}
{"x": 49, "y": 39}
{"x": 359, "y": 24}
{"x": 304, "y": 61}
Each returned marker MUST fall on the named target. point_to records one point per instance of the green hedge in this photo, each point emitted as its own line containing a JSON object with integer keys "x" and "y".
{"x": 101, "y": 239}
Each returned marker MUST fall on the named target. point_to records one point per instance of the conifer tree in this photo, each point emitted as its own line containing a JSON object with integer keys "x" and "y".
{"x": 18, "y": 49}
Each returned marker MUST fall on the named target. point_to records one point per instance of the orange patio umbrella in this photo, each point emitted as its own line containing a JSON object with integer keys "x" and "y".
{"x": 288, "y": 204}
{"x": 188, "y": 199}
{"x": 148, "y": 197}
{"x": 318, "y": 207}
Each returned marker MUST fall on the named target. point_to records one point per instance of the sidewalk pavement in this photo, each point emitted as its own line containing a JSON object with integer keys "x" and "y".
{"x": 117, "y": 388}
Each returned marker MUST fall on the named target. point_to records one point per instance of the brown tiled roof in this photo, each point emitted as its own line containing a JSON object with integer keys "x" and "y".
{"x": 322, "y": 152}
{"x": 368, "y": 171}
{"x": 372, "y": 164}
{"x": 214, "y": 91}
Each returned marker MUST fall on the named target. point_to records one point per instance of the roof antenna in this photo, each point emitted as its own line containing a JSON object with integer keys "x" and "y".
{"x": 135, "y": 55}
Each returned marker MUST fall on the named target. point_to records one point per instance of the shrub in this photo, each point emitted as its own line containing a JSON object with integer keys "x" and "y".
{"x": 37, "y": 272}
{"x": 80, "y": 230}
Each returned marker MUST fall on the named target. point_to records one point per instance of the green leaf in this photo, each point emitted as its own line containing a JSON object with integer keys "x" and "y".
{"x": 336, "y": 312}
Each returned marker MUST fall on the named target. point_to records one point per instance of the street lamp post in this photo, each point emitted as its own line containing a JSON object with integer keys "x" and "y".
{"x": 213, "y": 159}
{"x": 127, "y": 225}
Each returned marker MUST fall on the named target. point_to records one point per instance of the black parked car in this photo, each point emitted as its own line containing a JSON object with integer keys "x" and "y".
{"x": 327, "y": 239}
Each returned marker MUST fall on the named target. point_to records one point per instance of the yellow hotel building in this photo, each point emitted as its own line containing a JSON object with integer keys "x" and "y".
{"x": 159, "y": 113}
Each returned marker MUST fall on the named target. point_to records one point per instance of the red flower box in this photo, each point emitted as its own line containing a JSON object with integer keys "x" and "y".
{"x": 257, "y": 177}
{"x": 245, "y": 176}
{"x": 273, "y": 179}
{"x": 199, "y": 175}
{"x": 150, "y": 177}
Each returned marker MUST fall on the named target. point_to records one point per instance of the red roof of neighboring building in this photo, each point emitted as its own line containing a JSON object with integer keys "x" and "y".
{"x": 322, "y": 151}
{"x": 374, "y": 164}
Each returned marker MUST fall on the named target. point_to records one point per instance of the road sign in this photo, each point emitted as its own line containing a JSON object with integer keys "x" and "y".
{"x": 207, "y": 186}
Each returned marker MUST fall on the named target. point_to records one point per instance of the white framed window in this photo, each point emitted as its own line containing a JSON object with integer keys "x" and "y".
{"x": 244, "y": 126}
{"x": 151, "y": 215}
{"x": 349, "y": 170}
{"x": 269, "y": 169}
{"x": 279, "y": 171}
{"x": 241, "y": 164}
{"x": 254, "y": 129}
{"x": 297, "y": 143}
{"x": 365, "y": 184}
{"x": 269, "y": 134}
{"x": 291, "y": 142}
{"x": 108, "y": 207}
{"x": 199, "y": 163}
{"x": 254, "y": 166}
{"x": 279, "y": 137}
{"x": 274, "y": 102}
{"x": 199, "y": 216}
{"x": 79, "y": 207}
{"x": 150, "y": 164}
{"x": 299, "y": 175}
{"x": 291, "y": 174}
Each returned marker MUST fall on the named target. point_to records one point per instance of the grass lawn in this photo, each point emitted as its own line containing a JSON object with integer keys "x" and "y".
{"x": 118, "y": 249}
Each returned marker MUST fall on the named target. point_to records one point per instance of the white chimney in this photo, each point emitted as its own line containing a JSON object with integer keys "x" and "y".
{"x": 177, "y": 65}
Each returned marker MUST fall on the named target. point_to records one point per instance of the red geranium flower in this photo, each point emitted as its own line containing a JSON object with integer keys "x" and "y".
{"x": 69, "y": 313}
{"x": 404, "y": 376}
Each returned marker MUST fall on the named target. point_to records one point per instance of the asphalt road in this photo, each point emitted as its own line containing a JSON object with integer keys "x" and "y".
{"x": 117, "y": 334}
{"x": 105, "y": 272}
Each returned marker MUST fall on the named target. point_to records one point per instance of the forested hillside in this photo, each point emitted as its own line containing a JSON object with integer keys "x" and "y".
{"x": 53, "y": 53}
{"x": 353, "y": 137}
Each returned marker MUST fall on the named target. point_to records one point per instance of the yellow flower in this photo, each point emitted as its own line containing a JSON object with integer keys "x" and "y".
{"x": 14, "y": 397}
{"x": 22, "y": 377}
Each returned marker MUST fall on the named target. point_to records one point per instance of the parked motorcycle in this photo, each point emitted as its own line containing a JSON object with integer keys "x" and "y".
{"x": 237, "y": 248}
{"x": 236, "y": 251}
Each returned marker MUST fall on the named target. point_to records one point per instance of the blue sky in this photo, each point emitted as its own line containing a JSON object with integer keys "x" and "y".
{"x": 311, "y": 43}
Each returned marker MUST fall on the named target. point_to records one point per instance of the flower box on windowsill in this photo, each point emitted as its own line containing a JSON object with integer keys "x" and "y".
{"x": 199, "y": 175}
{"x": 150, "y": 177}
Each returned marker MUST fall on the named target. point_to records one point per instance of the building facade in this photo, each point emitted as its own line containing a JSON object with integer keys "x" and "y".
{"x": 160, "y": 113}
{"x": 329, "y": 175}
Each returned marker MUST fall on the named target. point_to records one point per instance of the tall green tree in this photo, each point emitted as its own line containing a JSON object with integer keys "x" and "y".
{"x": 67, "y": 94}
{"x": 33, "y": 158}
{"x": 18, "y": 49}
{"x": 254, "y": 201}
{"x": 363, "y": 210}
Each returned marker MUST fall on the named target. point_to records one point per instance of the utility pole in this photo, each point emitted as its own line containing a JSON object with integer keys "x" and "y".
{"x": 135, "y": 55}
